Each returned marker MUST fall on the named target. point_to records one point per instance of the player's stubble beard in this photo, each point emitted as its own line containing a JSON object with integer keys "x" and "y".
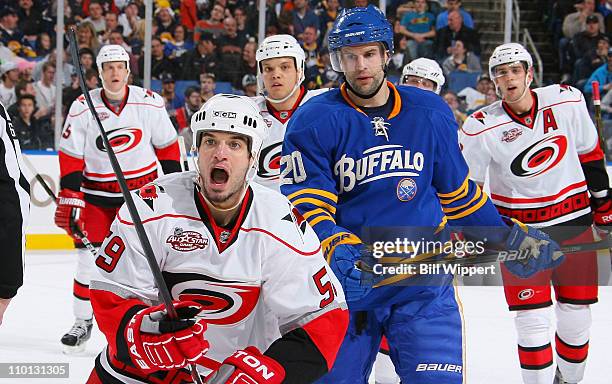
{"x": 366, "y": 90}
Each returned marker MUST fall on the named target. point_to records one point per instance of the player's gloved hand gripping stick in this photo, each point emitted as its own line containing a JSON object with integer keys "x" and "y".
{"x": 164, "y": 294}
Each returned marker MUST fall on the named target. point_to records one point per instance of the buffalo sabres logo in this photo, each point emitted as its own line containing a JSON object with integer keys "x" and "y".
{"x": 480, "y": 116}
{"x": 380, "y": 127}
{"x": 406, "y": 189}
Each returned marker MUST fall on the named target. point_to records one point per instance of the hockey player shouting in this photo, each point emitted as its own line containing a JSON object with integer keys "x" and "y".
{"x": 258, "y": 303}
{"x": 346, "y": 169}
{"x": 541, "y": 151}
{"x": 280, "y": 73}
{"x": 141, "y": 133}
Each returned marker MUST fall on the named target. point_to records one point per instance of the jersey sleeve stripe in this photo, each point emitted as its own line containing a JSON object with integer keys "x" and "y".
{"x": 594, "y": 155}
{"x": 303, "y": 253}
{"x": 319, "y": 219}
{"x": 314, "y": 212}
{"x": 316, "y": 202}
{"x": 459, "y": 191}
{"x": 320, "y": 192}
{"x": 471, "y": 210}
{"x": 476, "y": 196}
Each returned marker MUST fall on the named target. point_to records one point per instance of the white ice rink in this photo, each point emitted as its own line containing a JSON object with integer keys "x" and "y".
{"x": 42, "y": 312}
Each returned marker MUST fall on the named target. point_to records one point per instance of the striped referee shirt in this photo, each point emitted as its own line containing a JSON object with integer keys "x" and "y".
{"x": 14, "y": 209}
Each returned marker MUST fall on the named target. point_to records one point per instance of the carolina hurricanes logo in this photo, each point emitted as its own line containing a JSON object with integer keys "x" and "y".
{"x": 269, "y": 161}
{"x": 480, "y": 116}
{"x": 225, "y": 302}
{"x": 539, "y": 157}
{"x": 121, "y": 139}
{"x": 526, "y": 294}
{"x": 186, "y": 241}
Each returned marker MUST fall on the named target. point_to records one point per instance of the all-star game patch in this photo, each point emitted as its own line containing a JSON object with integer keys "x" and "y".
{"x": 406, "y": 189}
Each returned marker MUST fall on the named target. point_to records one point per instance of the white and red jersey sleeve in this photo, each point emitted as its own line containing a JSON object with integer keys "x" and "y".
{"x": 474, "y": 149}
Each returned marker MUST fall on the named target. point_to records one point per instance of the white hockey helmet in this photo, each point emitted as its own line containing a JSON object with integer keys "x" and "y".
{"x": 280, "y": 46}
{"x": 233, "y": 114}
{"x": 112, "y": 52}
{"x": 509, "y": 53}
{"x": 427, "y": 69}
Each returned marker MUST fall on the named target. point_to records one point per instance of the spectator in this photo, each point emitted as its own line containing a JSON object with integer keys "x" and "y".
{"x": 26, "y": 126}
{"x": 26, "y": 68}
{"x": 179, "y": 44}
{"x": 303, "y": 17}
{"x": 576, "y": 22}
{"x": 476, "y": 98}
{"x": 323, "y": 75}
{"x": 453, "y": 102}
{"x": 87, "y": 59}
{"x": 214, "y": 24}
{"x": 585, "y": 67}
{"x": 164, "y": 16}
{"x": 454, "y": 5}
{"x": 310, "y": 47}
{"x": 112, "y": 25}
{"x": 107, "y": 6}
{"x": 585, "y": 43}
{"x": 136, "y": 38}
{"x": 10, "y": 75}
{"x": 456, "y": 31}
{"x": 418, "y": 27}
{"x": 603, "y": 75}
{"x": 86, "y": 36}
{"x": 159, "y": 63}
{"x": 230, "y": 51}
{"x": 461, "y": 60}
{"x": 45, "y": 89}
{"x": 331, "y": 8}
{"x": 249, "y": 85}
{"x": 117, "y": 38}
{"x": 24, "y": 88}
{"x": 203, "y": 59}
{"x": 208, "y": 84}
{"x": 30, "y": 20}
{"x": 172, "y": 100}
{"x": 10, "y": 34}
{"x": 182, "y": 119}
{"x": 491, "y": 96}
{"x": 43, "y": 44}
{"x": 249, "y": 63}
{"x": 71, "y": 92}
{"x": 245, "y": 28}
{"x": 127, "y": 20}
{"x": 189, "y": 13}
{"x": 96, "y": 16}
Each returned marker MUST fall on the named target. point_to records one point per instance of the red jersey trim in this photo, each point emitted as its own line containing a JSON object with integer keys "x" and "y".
{"x": 127, "y": 173}
{"x": 525, "y": 200}
{"x": 70, "y": 164}
{"x": 594, "y": 155}
{"x": 282, "y": 241}
{"x": 526, "y": 119}
{"x": 277, "y": 114}
{"x": 169, "y": 152}
{"x": 327, "y": 332}
{"x": 123, "y": 221}
{"x": 108, "y": 105}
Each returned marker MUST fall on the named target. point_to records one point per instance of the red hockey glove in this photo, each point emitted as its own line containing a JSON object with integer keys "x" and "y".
{"x": 602, "y": 210}
{"x": 68, "y": 212}
{"x": 156, "y": 342}
{"x": 248, "y": 366}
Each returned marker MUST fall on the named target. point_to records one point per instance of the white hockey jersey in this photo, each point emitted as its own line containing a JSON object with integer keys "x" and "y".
{"x": 258, "y": 280}
{"x": 534, "y": 161}
{"x": 137, "y": 129}
{"x": 268, "y": 173}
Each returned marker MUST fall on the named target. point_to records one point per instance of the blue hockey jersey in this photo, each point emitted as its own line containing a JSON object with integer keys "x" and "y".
{"x": 342, "y": 167}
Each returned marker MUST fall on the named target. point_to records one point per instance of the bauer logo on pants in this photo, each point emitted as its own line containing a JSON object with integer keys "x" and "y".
{"x": 187, "y": 241}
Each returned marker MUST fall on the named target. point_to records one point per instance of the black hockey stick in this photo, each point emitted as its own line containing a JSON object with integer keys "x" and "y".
{"x": 164, "y": 294}
{"x": 598, "y": 122}
{"x": 49, "y": 191}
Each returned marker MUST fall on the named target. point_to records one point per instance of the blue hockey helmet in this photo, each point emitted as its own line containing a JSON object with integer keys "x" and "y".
{"x": 357, "y": 26}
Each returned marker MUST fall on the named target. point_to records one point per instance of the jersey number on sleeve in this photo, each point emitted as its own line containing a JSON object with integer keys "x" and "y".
{"x": 326, "y": 289}
{"x": 67, "y": 131}
{"x": 109, "y": 257}
{"x": 293, "y": 164}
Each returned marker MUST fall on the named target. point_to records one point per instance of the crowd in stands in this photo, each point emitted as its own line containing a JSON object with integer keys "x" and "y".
{"x": 203, "y": 46}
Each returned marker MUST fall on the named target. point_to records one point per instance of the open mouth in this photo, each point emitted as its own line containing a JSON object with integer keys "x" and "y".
{"x": 219, "y": 176}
